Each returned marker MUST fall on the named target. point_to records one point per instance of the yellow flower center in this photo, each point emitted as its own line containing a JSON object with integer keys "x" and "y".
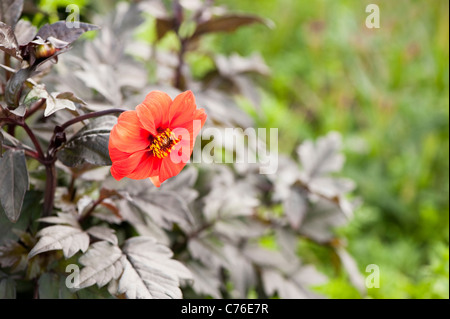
{"x": 163, "y": 143}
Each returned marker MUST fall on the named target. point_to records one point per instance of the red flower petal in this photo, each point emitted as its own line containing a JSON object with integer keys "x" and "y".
{"x": 183, "y": 149}
{"x": 193, "y": 127}
{"x": 154, "y": 111}
{"x": 149, "y": 166}
{"x": 182, "y": 109}
{"x": 169, "y": 169}
{"x": 128, "y": 135}
{"x": 115, "y": 154}
{"x": 155, "y": 180}
{"x": 125, "y": 167}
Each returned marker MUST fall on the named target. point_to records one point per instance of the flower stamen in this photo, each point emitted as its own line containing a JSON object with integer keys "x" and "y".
{"x": 163, "y": 144}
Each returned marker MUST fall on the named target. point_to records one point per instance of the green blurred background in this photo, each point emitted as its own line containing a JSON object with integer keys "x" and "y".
{"x": 386, "y": 91}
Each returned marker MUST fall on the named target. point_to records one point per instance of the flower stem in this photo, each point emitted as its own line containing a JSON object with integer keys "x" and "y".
{"x": 35, "y": 107}
{"x": 179, "y": 81}
{"x": 7, "y": 61}
{"x": 50, "y": 187}
{"x": 88, "y": 116}
{"x": 91, "y": 210}
{"x": 33, "y": 139}
{"x": 40, "y": 154}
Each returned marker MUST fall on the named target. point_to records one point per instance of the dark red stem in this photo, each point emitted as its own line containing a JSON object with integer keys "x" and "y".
{"x": 90, "y": 115}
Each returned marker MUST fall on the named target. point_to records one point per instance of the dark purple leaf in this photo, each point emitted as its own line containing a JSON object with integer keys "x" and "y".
{"x": 13, "y": 183}
{"x": 322, "y": 157}
{"x": 71, "y": 97}
{"x": 8, "y": 41}
{"x": 321, "y": 220}
{"x": 227, "y": 23}
{"x": 14, "y": 87}
{"x": 25, "y": 32}
{"x": 163, "y": 26}
{"x": 11, "y": 141}
{"x": 10, "y": 11}
{"x": 90, "y": 144}
{"x": 60, "y": 31}
{"x": 296, "y": 207}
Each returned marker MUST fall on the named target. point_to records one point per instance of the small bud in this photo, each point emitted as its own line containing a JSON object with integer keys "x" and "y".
{"x": 44, "y": 50}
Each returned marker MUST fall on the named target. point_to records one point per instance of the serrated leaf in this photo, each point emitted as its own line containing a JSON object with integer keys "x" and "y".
{"x": 10, "y": 11}
{"x": 67, "y": 238}
{"x": 230, "y": 200}
{"x": 241, "y": 270}
{"x": 322, "y": 157}
{"x": 13, "y": 182}
{"x": 165, "y": 208}
{"x": 8, "y": 41}
{"x": 143, "y": 268}
{"x": 150, "y": 271}
{"x": 237, "y": 229}
{"x": 61, "y": 219}
{"x": 294, "y": 285}
{"x": 227, "y": 23}
{"x": 103, "y": 233}
{"x": 295, "y": 207}
{"x": 205, "y": 280}
{"x": 102, "y": 264}
{"x": 183, "y": 184}
{"x": 270, "y": 258}
{"x": 275, "y": 282}
{"x": 90, "y": 144}
{"x": 331, "y": 187}
{"x": 321, "y": 220}
{"x": 208, "y": 251}
{"x": 60, "y": 31}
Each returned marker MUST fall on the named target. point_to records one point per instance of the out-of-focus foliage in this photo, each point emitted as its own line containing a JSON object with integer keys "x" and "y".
{"x": 387, "y": 91}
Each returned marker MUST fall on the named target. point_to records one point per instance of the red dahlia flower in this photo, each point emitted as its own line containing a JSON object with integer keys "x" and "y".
{"x": 156, "y": 140}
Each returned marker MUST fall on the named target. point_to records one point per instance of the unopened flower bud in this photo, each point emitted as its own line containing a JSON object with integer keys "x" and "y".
{"x": 44, "y": 50}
